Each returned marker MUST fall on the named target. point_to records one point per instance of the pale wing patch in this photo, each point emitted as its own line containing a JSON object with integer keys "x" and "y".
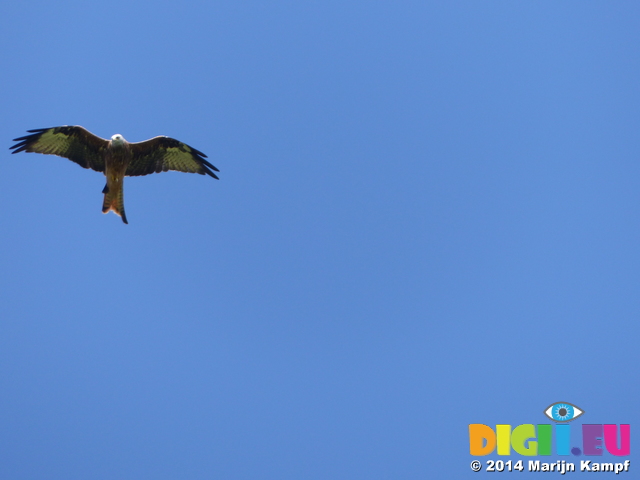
{"x": 182, "y": 160}
{"x": 50, "y": 143}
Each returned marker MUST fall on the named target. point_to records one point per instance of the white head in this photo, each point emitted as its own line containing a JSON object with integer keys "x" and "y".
{"x": 117, "y": 140}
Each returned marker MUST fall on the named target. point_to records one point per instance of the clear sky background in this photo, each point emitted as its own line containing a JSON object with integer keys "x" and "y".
{"x": 427, "y": 216}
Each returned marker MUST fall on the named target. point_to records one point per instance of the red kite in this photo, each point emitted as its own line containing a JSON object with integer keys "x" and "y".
{"x": 116, "y": 158}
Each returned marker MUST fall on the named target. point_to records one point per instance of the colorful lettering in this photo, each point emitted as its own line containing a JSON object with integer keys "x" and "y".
{"x": 503, "y": 432}
{"x": 521, "y": 434}
{"x": 478, "y": 435}
{"x": 563, "y": 438}
{"x": 592, "y": 439}
{"x": 544, "y": 439}
{"x": 611, "y": 439}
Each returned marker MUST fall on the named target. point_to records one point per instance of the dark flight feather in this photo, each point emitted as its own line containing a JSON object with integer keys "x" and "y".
{"x": 161, "y": 154}
{"x": 75, "y": 143}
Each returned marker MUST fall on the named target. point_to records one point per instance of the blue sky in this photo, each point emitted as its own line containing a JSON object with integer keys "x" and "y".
{"x": 427, "y": 216}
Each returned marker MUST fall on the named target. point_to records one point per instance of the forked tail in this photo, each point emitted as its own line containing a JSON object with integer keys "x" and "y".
{"x": 114, "y": 201}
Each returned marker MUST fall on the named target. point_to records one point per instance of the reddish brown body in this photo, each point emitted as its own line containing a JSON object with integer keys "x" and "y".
{"x": 117, "y": 158}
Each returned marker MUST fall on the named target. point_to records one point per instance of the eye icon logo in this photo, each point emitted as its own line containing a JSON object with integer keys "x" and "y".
{"x": 563, "y": 412}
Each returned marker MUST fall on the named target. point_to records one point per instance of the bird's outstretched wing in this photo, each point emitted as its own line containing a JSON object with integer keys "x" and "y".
{"x": 161, "y": 154}
{"x": 75, "y": 143}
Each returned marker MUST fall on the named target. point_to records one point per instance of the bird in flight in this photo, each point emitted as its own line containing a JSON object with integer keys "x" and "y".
{"x": 116, "y": 158}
